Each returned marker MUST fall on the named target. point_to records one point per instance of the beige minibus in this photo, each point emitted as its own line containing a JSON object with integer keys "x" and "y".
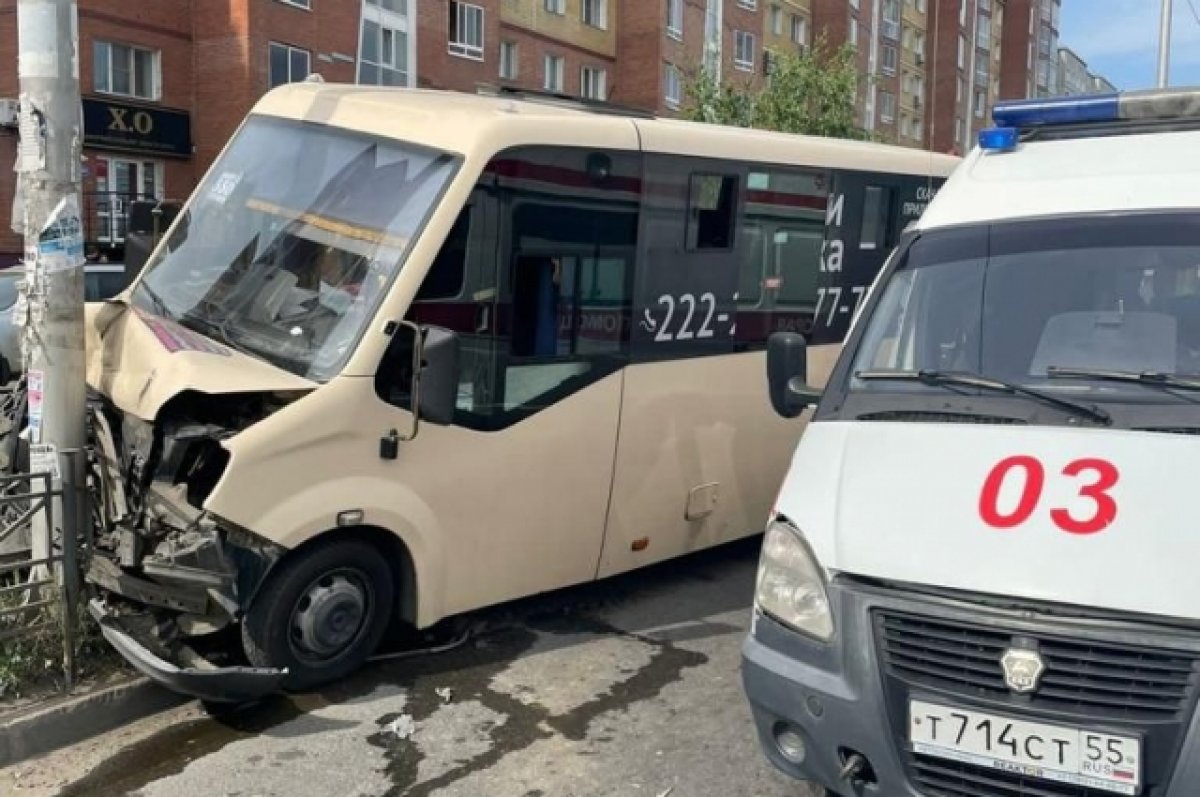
{"x": 409, "y": 353}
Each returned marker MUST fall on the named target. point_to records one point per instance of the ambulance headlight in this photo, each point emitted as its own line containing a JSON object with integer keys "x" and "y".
{"x": 790, "y": 586}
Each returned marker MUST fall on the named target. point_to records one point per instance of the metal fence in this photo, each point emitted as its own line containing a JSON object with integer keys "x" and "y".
{"x": 40, "y": 593}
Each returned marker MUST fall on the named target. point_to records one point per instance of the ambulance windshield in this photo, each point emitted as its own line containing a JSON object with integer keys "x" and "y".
{"x": 289, "y": 244}
{"x": 1061, "y": 305}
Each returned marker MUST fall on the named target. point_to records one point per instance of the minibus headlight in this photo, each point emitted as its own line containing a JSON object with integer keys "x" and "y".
{"x": 790, "y": 585}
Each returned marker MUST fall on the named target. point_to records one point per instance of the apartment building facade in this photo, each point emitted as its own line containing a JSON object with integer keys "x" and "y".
{"x": 1075, "y": 78}
{"x": 1030, "y": 49}
{"x": 165, "y": 83}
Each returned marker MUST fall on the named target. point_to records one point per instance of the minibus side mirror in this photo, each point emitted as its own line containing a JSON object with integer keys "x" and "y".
{"x": 787, "y": 372}
{"x": 436, "y": 384}
{"x": 419, "y": 373}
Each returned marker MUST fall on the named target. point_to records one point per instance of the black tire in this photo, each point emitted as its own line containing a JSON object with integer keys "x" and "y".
{"x": 281, "y": 630}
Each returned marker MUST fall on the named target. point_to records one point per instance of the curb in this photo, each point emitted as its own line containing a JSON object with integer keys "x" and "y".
{"x": 75, "y": 719}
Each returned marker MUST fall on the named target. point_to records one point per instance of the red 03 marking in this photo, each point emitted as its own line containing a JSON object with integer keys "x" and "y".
{"x": 1095, "y": 479}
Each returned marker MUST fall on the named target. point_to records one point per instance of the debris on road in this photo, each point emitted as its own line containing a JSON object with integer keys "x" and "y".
{"x": 445, "y": 693}
{"x": 403, "y": 726}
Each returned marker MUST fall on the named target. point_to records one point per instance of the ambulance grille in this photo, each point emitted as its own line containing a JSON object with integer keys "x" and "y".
{"x": 1109, "y": 679}
{"x": 942, "y": 778}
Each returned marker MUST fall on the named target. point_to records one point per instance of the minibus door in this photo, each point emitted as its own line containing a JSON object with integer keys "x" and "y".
{"x": 518, "y": 483}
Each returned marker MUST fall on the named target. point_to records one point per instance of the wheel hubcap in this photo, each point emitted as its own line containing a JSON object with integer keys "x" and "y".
{"x": 329, "y": 616}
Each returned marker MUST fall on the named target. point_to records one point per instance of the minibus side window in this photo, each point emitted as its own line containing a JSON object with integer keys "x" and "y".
{"x": 781, "y": 260}
{"x": 545, "y": 260}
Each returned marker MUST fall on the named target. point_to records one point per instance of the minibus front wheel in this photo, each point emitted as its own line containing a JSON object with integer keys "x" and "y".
{"x": 321, "y": 613}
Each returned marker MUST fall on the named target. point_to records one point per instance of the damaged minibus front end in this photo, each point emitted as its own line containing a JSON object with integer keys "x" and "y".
{"x": 171, "y": 578}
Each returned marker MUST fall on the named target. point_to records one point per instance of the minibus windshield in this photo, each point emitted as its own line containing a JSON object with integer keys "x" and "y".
{"x": 1098, "y": 308}
{"x": 287, "y": 247}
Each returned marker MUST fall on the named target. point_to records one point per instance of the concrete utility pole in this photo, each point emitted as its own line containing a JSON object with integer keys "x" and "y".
{"x": 1164, "y": 45}
{"x": 47, "y": 209}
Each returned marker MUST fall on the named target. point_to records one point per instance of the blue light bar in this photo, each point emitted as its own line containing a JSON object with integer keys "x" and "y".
{"x": 1058, "y": 111}
{"x": 998, "y": 139}
{"x": 1126, "y": 106}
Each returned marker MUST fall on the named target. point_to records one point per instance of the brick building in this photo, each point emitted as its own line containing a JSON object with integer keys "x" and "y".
{"x": 1030, "y": 58}
{"x": 165, "y": 82}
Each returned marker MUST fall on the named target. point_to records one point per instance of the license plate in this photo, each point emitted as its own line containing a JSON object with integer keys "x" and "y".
{"x": 1034, "y": 749}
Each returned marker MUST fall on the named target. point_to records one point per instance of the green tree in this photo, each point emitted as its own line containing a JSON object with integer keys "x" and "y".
{"x": 810, "y": 92}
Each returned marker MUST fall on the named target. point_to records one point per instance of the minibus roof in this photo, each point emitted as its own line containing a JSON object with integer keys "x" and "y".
{"x": 1110, "y": 153}
{"x": 483, "y": 124}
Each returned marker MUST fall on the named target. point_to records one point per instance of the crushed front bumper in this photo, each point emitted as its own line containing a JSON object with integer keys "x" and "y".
{"x": 216, "y": 684}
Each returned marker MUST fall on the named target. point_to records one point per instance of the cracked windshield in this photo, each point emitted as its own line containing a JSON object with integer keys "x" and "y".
{"x": 291, "y": 241}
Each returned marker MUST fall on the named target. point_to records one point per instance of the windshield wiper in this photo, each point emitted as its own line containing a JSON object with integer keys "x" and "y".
{"x": 1157, "y": 379}
{"x": 160, "y": 305}
{"x": 961, "y": 379}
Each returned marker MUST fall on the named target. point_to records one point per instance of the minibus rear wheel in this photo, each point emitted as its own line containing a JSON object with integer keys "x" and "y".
{"x": 321, "y": 613}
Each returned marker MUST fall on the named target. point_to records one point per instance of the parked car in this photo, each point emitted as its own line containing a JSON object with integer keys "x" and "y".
{"x": 101, "y": 281}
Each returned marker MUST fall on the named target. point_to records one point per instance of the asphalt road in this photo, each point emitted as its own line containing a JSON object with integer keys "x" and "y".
{"x": 629, "y": 687}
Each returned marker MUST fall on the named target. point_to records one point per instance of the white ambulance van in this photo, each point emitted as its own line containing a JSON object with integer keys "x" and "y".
{"x": 981, "y": 577}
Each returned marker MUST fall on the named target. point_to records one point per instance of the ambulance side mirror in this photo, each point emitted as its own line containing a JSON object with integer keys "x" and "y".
{"x": 787, "y": 372}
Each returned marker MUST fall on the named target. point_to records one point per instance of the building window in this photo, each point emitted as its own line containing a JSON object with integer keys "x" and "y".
{"x": 776, "y": 21}
{"x": 553, "y": 78}
{"x": 675, "y": 19}
{"x": 509, "y": 60}
{"x": 958, "y": 128}
{"x": 672, "y": 87}
{"x": 853, "y": 37}
{"x": 799, "y": 29}
{"x": 891, "y": 19}
{"x": 743, "y": 50}
{"x": 962, "y": 51}
{"x": 556, "y": 6}
{"x": 595, "y": 13}
{"x": 288, "y": 64}
{"x": 748, "y": 4}
{"x": 889, "y": 59}
{"x": 399, "y": 6}
{"x": 887, "y": 107}
{"x": 919, "y": 46}
{"x": 593, "y": 83}
{"x": 854, "y": 4}
{"x": 981, "y": 72}
{"x": 466, "y": 30}
{"x": 980, "y": 104}
{"x": 305, "y": 4}
{"x": 917, "y": 133}
{"x": 383, "y": 52}
{"x": 983, "y": 33}
{"x": 128, "y": 71}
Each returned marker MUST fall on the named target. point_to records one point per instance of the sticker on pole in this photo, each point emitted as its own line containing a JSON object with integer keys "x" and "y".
{"x": 60, "y": 245}
{"x": 43, "y": 459}
{"x": 34, "y": 382}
